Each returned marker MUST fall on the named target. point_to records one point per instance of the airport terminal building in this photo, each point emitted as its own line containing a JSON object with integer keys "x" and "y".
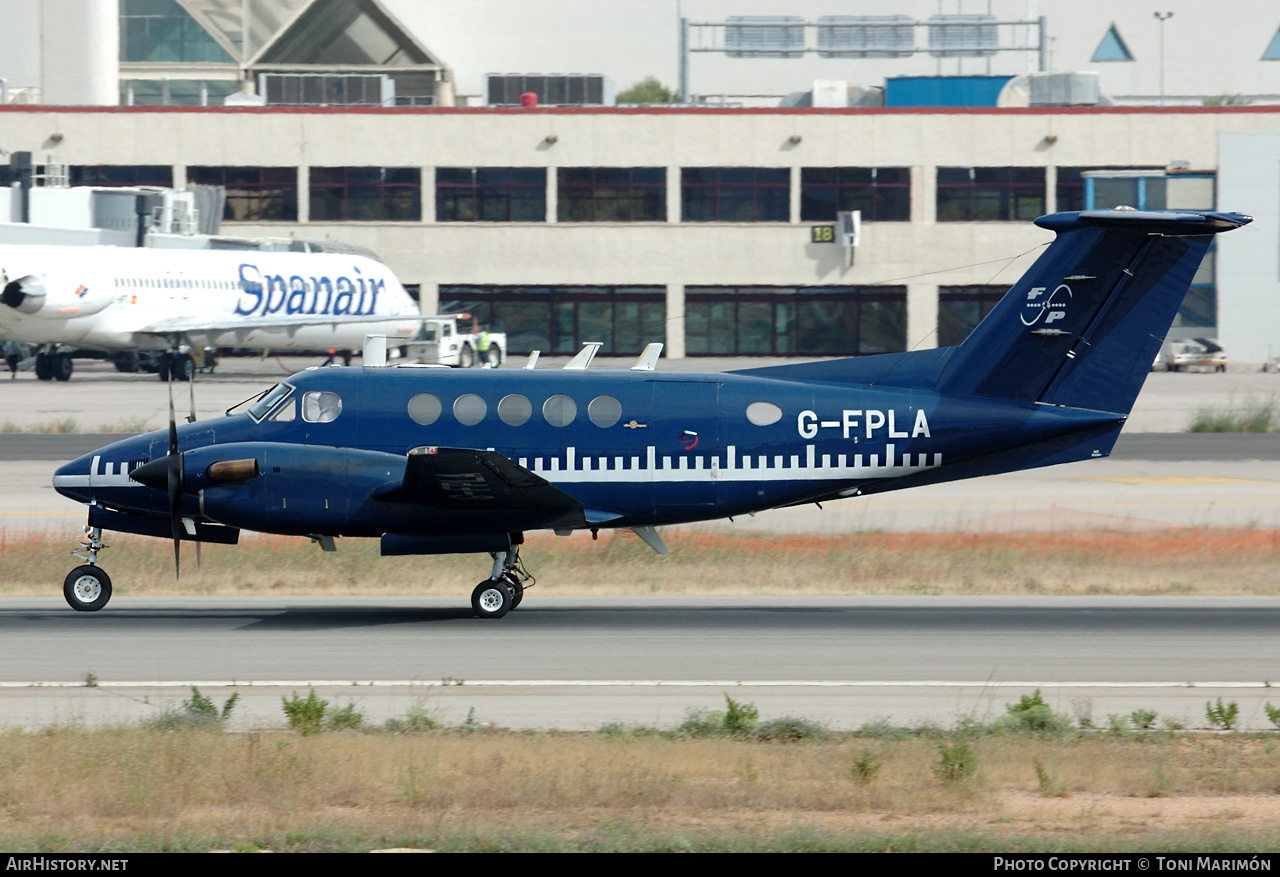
{"x": 713, "y": 226}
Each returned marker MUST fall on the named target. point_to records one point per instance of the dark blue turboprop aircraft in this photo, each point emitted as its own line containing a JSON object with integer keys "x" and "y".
{"x": 434, "y": 461}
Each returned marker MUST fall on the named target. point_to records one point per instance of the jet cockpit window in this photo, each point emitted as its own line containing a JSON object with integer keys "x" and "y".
{"x": 268, "y": 400}
{"x": 320, "y": 406}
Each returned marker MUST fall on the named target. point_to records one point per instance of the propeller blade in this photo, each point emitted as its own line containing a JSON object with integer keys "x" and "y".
{"x": 174, "y": 479}
{"x": 175, "y": 512}
{"x": 173, "y": 422}
{"x": 191, "y": 388}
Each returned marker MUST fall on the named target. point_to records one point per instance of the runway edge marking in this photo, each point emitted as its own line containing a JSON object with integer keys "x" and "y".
{"x": 617, "y": 683}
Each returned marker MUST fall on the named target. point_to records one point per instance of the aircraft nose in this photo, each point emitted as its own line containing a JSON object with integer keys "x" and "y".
{"x": 72, "y": 479}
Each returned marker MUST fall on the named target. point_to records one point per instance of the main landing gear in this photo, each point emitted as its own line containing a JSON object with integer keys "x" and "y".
{"x": 504, "y": 589}
{"x": 87, "y": 588}
{"x": 52, "y": 366}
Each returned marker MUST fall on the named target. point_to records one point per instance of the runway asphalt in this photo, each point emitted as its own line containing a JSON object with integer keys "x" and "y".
{"x": 576, "y": 663}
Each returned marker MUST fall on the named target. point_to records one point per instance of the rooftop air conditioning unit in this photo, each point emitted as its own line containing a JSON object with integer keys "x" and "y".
{"x": 1063, "y": 89}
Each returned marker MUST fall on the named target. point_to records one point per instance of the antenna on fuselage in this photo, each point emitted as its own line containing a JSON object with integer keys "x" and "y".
{"x": 533, "y": 361}
{"x": 648, "y": 360}
{"x": 375, "y": 350}
{"x": 582, "y": 361}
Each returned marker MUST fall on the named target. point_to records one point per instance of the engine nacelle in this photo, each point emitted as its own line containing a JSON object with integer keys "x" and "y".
{"x": 25, "y": 295}
{"x": 38, "y": 296}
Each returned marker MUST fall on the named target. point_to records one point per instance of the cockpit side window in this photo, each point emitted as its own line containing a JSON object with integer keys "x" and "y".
{"x": 320, "y": 406}
{"x": 269, "y": 400}
{"x": 285, "y": 413}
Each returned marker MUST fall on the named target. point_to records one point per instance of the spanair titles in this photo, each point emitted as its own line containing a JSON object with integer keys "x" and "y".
{"x": 266, "y": 294}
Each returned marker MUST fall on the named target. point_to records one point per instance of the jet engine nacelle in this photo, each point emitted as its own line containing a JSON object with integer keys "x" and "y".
{"x": 37, "y": 296}
{"x": 26, "y": 294}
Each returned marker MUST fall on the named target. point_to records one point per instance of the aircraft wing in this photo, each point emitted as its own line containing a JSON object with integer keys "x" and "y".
{"x": 183, "y": 325}
{"x": 463, "y": 478}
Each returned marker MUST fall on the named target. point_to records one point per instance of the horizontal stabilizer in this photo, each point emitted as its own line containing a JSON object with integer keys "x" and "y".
{"x": 1083, "y": 325}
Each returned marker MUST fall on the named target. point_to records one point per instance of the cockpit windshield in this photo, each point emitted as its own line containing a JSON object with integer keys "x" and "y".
{"x": 269, "y": 400}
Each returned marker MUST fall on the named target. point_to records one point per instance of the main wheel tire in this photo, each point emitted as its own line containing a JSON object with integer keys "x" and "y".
{"x": 44, "y": 366}
{"x": 493, "y": 355}
{"x": 466, "y": 357}
{"x": 492, "y": 599}
{"x": 62, "y": 366}
{"x": 184, "y": 367}
{"x": 87, "y": 588}
{"x": 164, "y": 366}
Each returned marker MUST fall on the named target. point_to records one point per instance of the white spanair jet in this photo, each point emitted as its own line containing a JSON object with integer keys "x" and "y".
{"x": 125, "y": 298}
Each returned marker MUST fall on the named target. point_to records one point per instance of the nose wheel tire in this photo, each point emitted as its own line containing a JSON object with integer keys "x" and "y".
{"x": 492, "y": 599}
{"x": 87, "y": 588}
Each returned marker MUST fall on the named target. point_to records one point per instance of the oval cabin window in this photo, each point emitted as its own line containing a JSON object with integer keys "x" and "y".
{"x": 763, "y": 413}
{"x": 469, "y": 409}
{"x": 425, "y": 408}
{"x": 321, "y": 407}
{"x": 515, "y": 410}
{"x": 604, "y": 411}
{"x": 559, "y": 410}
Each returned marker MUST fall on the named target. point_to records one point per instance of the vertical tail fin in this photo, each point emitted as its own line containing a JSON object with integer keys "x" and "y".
{"x": 1083, "y": 325}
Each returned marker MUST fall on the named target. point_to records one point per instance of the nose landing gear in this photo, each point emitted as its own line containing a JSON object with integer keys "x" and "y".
{"x": 87, "y": 588}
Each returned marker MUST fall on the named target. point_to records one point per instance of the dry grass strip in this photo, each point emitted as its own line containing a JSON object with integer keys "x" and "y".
{"x": 1209, "y": 561}
{"x": 112, "y": 785}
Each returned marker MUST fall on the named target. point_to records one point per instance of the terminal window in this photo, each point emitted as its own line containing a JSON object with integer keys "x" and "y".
{"x": 611, "y": 194}
{"x": 161, "y": 30}
{"x": 491, "y": 194}
{"x": 990, "y": 194}
{"x": 962, "y": 308}
{"x": 121, "y": 175}
{"x": 340, "y": 194}
{"x": 1070, "y": 188}
{"x": 254, "y": 194}
{"x": 735, "y": 194}
{"x": 883, "y": 194}
{"x": 789, "y": 321}
{"x": 560, "y": 319}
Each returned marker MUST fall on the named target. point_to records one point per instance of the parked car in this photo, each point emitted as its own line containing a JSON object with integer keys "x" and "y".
{"x": 1193, "y": 353}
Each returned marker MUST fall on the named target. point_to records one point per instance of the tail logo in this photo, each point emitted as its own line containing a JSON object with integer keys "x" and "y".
{"x": 1047, "y": 308}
